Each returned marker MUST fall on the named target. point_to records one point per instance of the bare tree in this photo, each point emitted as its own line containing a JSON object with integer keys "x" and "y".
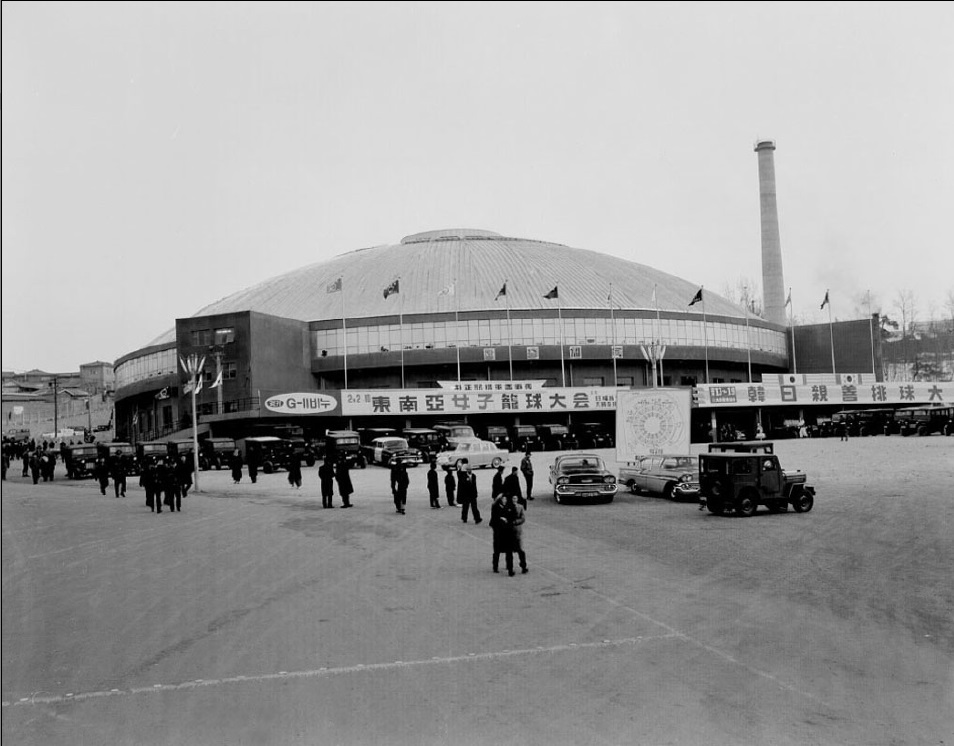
{"x": 867, "y": 303}
{"x": 906, "y": 305}
{"x": 745, "y": 292}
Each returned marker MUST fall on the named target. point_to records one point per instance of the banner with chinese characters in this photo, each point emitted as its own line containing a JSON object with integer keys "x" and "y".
{"x": 406, "y": 402}
{"x": 848, "y": 393}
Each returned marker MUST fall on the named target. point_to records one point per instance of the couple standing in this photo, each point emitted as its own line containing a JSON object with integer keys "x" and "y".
{"x": 507, "y": 517}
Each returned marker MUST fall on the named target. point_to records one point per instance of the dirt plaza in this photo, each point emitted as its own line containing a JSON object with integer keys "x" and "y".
{"x": 256, "y": 617}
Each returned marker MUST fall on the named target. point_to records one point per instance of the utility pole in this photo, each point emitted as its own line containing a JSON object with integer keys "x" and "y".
{"x": 56, "y": 413}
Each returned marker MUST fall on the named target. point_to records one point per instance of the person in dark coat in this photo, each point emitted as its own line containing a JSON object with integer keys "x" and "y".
{"x": 326, "y": 477}
{"x": 46, "y": 465}
{"x": 526, "y": 467}
{"x": 502, "y": 532}
{"x": 162, "y": 474}
{"x": 450, "y": 486}
{"x": 235, "y": 464}
{"x": 433, "y": 486}
{"x": 399, "y": 484}
{"x": 467, "y": 492}
{"x": 117, "y": 470}
{"x": 5, "y": 458}
{"x": 184, "y": 475}
{"x": 101, "y": 472}
{"x": 35, "y": 466}
{"x": 253, "y": 466}
{"x": 149, "y": 481}
{"x": 511, "y": 486}
{"x": 343, "y": 475}
{"x": 496, "y": 486}
{"x": 294, "y": 470}
{"x": 170, "y": 486}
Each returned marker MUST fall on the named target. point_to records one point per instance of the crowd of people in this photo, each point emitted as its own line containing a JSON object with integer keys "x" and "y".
{"x": 166, "y": 481}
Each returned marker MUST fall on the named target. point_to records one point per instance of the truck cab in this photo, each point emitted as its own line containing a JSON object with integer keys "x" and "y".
{"x": 80, "y": 460}
{"x": 344, "y": 446}
{"x": 214, "y": 453}
{"x": 269, "y": 452}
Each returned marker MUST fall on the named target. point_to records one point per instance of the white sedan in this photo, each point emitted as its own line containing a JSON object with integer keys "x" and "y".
{"x": 477, "y": 452}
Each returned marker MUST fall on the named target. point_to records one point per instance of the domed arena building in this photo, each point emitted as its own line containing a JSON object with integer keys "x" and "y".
{"x": 442, "y": 311}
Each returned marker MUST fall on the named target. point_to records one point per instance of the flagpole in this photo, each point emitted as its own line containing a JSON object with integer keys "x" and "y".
{"x": 509, "y": 334}
{"x": 401, "y": 322}
{"x": 748, "y": 340}
{"x": 871, "y": 333}
{"x": 658, "y": 328}
{"x": 344, "y": 333}
{"x": 195, "y": 441}
{"x": 831, "y": 336}
{"x": 613, "y": 328}
{"x": 705, "y": 331}
{"x": 791, "y": 316}
{"x": 562, "y": 337}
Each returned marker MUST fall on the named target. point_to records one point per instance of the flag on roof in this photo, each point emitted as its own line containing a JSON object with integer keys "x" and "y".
{"x": 696, "y": 298}
{"x": 502, "y": 291}
{"x": 824, "y": 302}
{"x": 394, "y": 287}
{"x": 335, "y": 286}
{"x": 555, "y": 293}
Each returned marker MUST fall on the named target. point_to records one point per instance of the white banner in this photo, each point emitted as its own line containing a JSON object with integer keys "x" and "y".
{"x": 408, "y": 402}
{"x": 652, "y": 422}
{"x": 848, "y": 391}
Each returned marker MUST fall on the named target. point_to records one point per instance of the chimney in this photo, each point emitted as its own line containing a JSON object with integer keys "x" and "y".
{"x": 773, "y": 283}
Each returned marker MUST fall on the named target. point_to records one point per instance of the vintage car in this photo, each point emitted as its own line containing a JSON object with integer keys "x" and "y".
{"x": 524, "y": 438}
{"x": 80, "y": 460}
{"x": 214, "y": 453}
{"x": 742, "y": 480}
{"x": 925, "y": 420}
{"x": 424, "y": 439}
{"x": 150, "y": 452}
{"x": 556, "y": 438}
{"x": 673, "y": 477}
{"x": 451, "y": 433}
{"x": 477, "y": 452}
{"x": 498, "y": 435}
{"x": 344, "y": 446}
{"x": 392, "y": 450}
{"x": 582, "y": 476}
{"x": 269, "y": 452}
{"x": 591, "y": 435}
{"x": 126, "y": 451}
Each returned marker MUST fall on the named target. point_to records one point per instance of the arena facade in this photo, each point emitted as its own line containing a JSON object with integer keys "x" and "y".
{"x": 444, "y": 311}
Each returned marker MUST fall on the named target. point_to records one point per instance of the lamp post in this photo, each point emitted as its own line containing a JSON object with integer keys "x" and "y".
{"x": 193, "y": 365}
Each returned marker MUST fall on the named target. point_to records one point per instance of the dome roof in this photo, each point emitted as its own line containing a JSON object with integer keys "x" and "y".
{"x": 474, "y": 264}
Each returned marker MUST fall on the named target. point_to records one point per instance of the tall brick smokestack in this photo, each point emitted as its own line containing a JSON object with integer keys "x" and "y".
{"x": 773, "y": 282}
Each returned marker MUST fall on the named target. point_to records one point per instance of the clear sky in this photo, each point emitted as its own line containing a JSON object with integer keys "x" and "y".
{"x": 160, "y": 156}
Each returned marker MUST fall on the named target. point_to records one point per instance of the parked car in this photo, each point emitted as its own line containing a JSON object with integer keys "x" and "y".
{"x": 582, "y": 476}
{"x": 498, "y": 435}
{"x": 741, "y": 481}
{"x": 269, "y": 451}
{"x": 673, "y": 477}
{"x": 150, "y": 452}
{"x": 592, "y": 435}
{"x": 367, "y": 434}
{"x": 126, "y": 450}
{"x": 451, "y": 433}
{"x": 525, "y": 437}
{"x": 391, "y": 450}
{"x": 925, "y": 420}
{"x": 556, "y": 438}
{"x": 344, "y": 445}
{"x": 79, "y": 460}
{"x": 214, "y": 453}
{"x": 477, "y": 452}
{"x": 424, "y": 439}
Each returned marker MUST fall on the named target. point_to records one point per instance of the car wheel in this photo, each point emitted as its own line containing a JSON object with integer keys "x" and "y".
{"x": 496, "y": 462}
{"x": 803, "y": 502}
{"x": 633, "y": 488}
{"x": 268, "y": 467}
{"x": 668, "y": 491}
{"x": 746, "y": 506}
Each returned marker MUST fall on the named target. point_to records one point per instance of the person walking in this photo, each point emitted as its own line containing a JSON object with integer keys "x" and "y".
{"x": 467, "y": 493}
{"x": 343, "y": 477}
{"x": 161, "y": 475}
{"x": 433, "y": 486}
{"x": 511, "y": 486}
{"x": 253, "y": 466}
{"x": 101, "y": 473}
{"x": 399, "y": 484}
{"x": 515, "y": 518}
{"x": 450, "y": 486}
{"x": 117, "y": 470}
{"x": 149, "y": 481}
{"x": 326, "y": 478}
{"x": 526, "y": 467}
{"x": 170, "y": 485}
{"x": 294, "y": 471}
{"x": 496, "y": 486}
{"x": 235, "y": 464}
{"x": 35, "y": 467}
{"x": 184, "y": 475}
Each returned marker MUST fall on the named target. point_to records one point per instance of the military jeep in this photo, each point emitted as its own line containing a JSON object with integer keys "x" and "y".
{"x": 739, "y": 482}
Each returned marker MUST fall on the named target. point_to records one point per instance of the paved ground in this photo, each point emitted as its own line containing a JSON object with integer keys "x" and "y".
{"x": 256, "y": 617}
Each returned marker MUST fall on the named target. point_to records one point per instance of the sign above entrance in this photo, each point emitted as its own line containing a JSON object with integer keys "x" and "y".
{"x": 303, "y": 403}
{"x": 439, "y": 402}
{"x": 491, "y": 385}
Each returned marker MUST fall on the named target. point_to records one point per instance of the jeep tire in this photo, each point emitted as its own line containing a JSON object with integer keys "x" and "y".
{"x": 803, "y": 502}
{"x": 747, "y": 505}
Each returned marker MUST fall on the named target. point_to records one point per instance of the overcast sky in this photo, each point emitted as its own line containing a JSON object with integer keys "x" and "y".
{"x": 160, "y": 156}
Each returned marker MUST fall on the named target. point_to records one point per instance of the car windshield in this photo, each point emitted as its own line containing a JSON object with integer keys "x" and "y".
{"x": 591, "y": 463}
{"x": 81, "y": 451}
{"x": 392, "y": 443}
{"x": 675, "y": 464}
